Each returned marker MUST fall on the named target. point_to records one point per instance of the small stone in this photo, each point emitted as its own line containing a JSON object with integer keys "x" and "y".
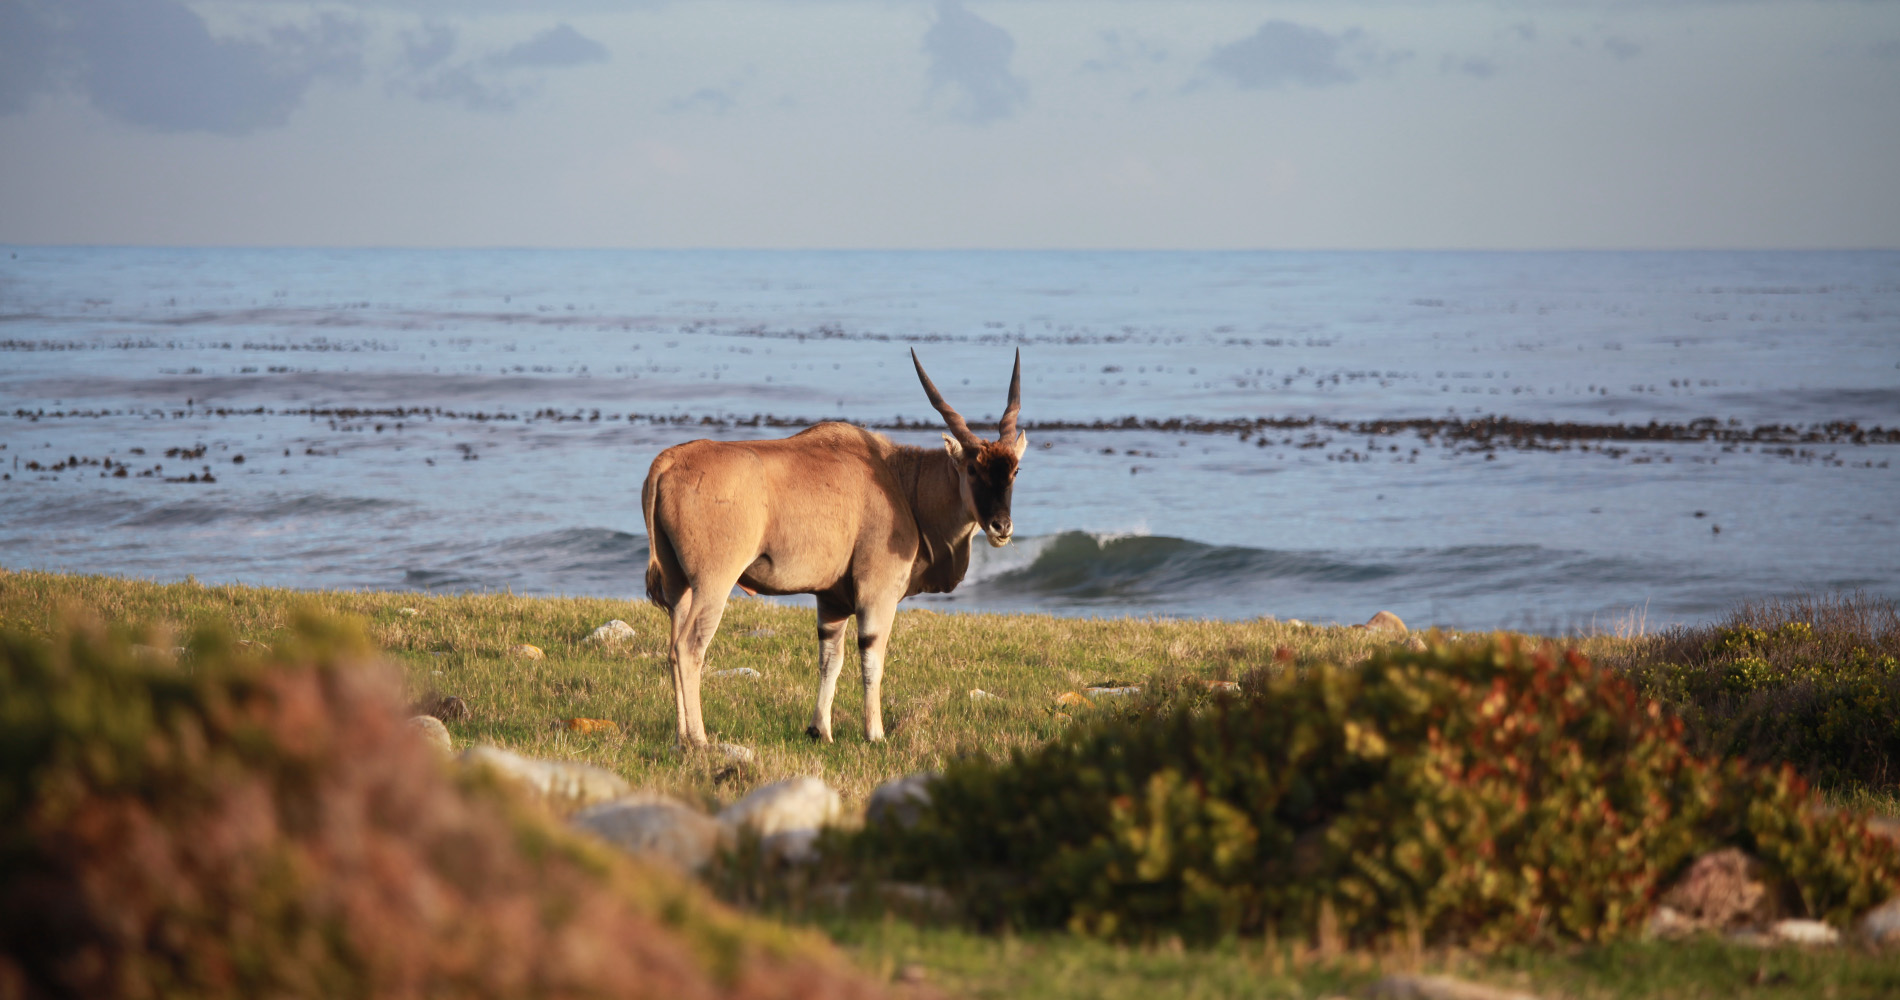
{"x": 613, "y": 633}
{"x": 410, "y": 612}
{"x": 978, "y": 694}
{"x": 1116, "y": 692}
{"x": 901, "y": 800}
{"x": 431, "y": 729}
{"x": 805, "y": 803}
{"x": 448, "y": 708}
{"x": 1296, "y": 623}
{"x": 655, "y": 827}
{"x": 1805, "y": 932}
{"x": 1411, "y": 987}
{"x": 734, "y": 672}
{"x": 527, "y": 651}
{"x": 1667, "y": 923}
{"x": 1879, "y": 928}
{"x": 1386, "y": 621}
{"x": 734, "y": 753}
{"x": 564, "y": 786}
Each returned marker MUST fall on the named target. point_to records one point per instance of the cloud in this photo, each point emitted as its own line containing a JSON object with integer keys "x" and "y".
{"x": 969, "y": 59}
{"x": 493, "y": 83}
{"x": 557, "y": 47}
{"x": 27, "y": 55}
{"x": 1123, "y": 53}
{"x": 1888, "y": 50}
{"x": 710, "y": 99}
{"x": 1282, "y": 53}
{"x": 155, "y": 63}
{"x": 428, "y": 48}
{"x": 1622, "y": 48}
{"x": 1481, "y": 67}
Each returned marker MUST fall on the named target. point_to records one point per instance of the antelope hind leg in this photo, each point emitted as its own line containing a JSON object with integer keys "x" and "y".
{"x": 830, "y": 665}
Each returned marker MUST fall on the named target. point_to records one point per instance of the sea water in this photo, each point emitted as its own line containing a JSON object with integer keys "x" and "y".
{"x": 1211, "y": 434}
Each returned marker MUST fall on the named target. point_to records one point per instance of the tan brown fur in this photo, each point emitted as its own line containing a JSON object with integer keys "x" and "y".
{"x": 836, "y": 511}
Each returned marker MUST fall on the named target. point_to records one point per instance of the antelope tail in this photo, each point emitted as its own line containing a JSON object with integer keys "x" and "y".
{"x": 659, "y": 547}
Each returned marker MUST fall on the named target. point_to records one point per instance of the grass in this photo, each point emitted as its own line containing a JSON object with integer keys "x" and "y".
{"x": 460, "y": 645}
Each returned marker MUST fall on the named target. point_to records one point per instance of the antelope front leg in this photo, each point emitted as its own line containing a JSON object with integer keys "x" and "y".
{"x": 874, "y": 636}
{"x": 830, "y": 665}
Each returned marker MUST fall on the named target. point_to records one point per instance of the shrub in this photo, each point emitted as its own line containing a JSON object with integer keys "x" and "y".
{"x": 1812, "y": 683}
{"x": 239, "y": 827}
{"x": 1470, "y": 794}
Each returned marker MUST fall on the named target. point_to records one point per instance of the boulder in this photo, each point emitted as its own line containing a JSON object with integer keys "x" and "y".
{"x": 564, "y": 786}
{"x": 805, "y": 803}
{"x": 1724, "y": 890}
{"x": 655, "y": 827}
{"x": 613, "y": 633}
{"x": 900, "y": 800}
{"x": 1879, "y": 928}
{"x": 527, "y": 651}
{"x": 431, "y": 729}
{"x": 1386, "y": 621}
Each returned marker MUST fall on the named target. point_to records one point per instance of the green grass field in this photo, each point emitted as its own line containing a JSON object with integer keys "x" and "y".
{"x": 461, "y": 646}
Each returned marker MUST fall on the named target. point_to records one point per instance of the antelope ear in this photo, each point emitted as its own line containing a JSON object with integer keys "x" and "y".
{"x": 950, "y": 445}
{"x": 1021, "y": 445}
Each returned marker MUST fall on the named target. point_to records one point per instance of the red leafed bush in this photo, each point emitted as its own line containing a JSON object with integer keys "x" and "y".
{"x": 238, "y": 828}
{"x": 1472, "y": 794}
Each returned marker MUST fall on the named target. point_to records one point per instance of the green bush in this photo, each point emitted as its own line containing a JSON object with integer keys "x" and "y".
{"x": 1815, "y": 684}
{"x": 239, "y": 826}
{"x": 1470, "y": 794}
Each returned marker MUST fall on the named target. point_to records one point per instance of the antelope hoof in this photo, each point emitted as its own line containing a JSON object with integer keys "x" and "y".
{"x": 817, "y": 735}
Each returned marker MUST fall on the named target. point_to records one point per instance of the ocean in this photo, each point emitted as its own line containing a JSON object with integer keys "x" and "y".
{"x": 1559, "y": 442}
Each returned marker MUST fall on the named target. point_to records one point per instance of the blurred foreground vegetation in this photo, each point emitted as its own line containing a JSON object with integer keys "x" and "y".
{"x": 462, "y": 646}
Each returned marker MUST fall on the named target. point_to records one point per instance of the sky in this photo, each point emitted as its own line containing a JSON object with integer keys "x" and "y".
{"x": 1382, "y": 124}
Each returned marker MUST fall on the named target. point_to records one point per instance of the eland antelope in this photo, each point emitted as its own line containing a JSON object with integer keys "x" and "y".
{"x": 835, "y": 511}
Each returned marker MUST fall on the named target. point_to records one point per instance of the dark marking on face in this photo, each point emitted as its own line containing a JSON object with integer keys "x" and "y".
{"x": 992, "y": 475}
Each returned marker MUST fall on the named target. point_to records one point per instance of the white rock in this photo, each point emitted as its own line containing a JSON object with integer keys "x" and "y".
{"x": 527, "y": 651}
{"x": 734, "y": 672}
{"x": 431, "y": 728}
{"x": 564, "y": 785}
{"x": 411, "y": 612}
{"x": 1105, "y": 692}
{"x": 792, "y": 848}
{"x": 805, "y": 803}
{"x": 1804, "y": 932}
{"x": 1880, "y": 926}
{"x": 900, "y": 800}
{"x": 612, "y": 633}
{"x": 735, "y": 753}
{"x": 978, "y": 694}
{"x": 656, "y": 827}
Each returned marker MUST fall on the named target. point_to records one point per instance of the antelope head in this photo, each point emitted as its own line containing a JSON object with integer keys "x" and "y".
{"x": 986, "y": 470}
